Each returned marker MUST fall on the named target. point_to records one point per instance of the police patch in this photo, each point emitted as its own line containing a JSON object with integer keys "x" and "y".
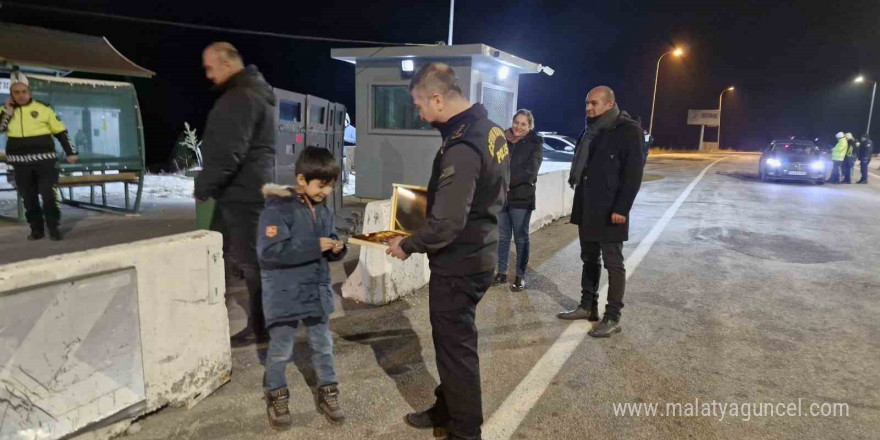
{"x": 35, "y": 114}
{"x": 497, "y": 144}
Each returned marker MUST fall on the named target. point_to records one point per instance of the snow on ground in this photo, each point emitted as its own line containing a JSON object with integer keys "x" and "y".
{"x": 348, "y": 188}
{"x": 161, "y": 186}
{"x": 156, "y": 187}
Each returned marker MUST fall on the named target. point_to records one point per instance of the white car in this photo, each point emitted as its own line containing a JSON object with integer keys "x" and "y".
{"x": 557, "y": 142}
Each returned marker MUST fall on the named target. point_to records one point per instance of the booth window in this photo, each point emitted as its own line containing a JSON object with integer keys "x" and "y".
{"x": 290, "y": 111}
{"x": 393, "y": 109}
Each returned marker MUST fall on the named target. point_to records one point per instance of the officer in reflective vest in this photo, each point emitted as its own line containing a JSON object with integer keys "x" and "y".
{"x": 30, "y": 126}
{"x": 468, "y": 185}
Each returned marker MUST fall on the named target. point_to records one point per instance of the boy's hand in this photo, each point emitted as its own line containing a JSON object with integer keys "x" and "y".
{"x": 327, "y": 244}
{"x": 338, "y": 247}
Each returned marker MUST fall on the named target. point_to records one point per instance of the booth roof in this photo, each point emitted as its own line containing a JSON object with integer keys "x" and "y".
{"x": 65, "y": 51}
{"x": 80, "y": 81}
{"x": 473, "y": 51}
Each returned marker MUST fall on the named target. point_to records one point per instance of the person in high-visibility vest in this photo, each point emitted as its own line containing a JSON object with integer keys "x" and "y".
{"x": 30, "y": 126}
{"x": 838, "y": 153}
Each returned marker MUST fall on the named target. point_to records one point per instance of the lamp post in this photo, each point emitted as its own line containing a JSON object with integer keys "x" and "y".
{"x": 677, "y": 52}
{"x": 729, "y": 89}
{"x": 860, "y": 79}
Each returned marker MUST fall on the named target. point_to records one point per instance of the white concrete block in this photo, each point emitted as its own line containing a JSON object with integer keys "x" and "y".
{"x": 134, "y": 326}
{"x": 548, "y": 200}
{"x": 378, "y": 278}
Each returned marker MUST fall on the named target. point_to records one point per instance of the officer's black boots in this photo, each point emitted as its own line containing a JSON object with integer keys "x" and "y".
{"x": 519, "y": 284}
{"x": 500, "y": 278}
{"x": 427, "y": 420}
{"x": 328, "y": 403}
{"x": 609, "y": 326}
{"x": 277, "y": 409}
{"x": 591, "y": 314}
{"x": 36, "y": 235}
{"x": 54, "y": 233}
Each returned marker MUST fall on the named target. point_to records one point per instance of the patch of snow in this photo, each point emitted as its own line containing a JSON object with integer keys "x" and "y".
{"x": 348, "y": 189}
{"x": 158, "y": 186}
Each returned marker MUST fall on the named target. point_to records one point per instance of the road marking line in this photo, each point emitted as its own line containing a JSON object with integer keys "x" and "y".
{"x": 875, "y": 176}
{"x": 506, "y": 420}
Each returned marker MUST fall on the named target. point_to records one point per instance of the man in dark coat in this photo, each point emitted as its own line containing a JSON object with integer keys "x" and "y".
{"x": 866, "y": 149}
{"x": 239, "y": 157}
{"x": 607, "y": 174}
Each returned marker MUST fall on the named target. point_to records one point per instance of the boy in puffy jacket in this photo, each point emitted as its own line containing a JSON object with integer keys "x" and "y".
{"x": 296, "y": 239}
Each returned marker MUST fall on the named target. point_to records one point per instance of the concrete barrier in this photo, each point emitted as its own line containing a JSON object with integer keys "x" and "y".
{"x": 380, "y": 279}
{"x": 549, "y": 199}
{"x": 91, "y": 340}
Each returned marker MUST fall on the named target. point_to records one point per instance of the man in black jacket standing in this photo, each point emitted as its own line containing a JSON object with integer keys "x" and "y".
{"x": 866, "y": 150}
{"x": 468, "y": 185}
{"x": 239, "y": 157}
{"x": 606, "y": 173}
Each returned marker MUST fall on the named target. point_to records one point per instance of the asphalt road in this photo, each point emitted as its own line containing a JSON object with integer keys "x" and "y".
{"x": 739, "y": 292}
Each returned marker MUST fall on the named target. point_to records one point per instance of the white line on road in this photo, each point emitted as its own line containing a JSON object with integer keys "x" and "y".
{"x": 506, "y": 420}
{"x": 875, "y": 176}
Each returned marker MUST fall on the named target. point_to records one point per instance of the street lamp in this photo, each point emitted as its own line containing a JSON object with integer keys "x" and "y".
{"x": 677, "y": 52}
{"x": 729, "y": 89}
{"x": 860, "y": 79}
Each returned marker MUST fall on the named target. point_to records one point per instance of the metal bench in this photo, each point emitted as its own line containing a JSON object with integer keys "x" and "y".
{"x": 95, "y": 173}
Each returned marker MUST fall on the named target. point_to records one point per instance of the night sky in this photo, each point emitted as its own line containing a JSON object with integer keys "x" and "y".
{"x": 792, "y": 62}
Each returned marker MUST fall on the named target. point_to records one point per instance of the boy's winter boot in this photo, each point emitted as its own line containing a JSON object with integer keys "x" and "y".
{"x": 328, "y": 403}
{"x": 277, "y": 409}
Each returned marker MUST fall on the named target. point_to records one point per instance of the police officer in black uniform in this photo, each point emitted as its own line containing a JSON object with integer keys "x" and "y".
{"x": 466, "y": 192}
{"x": 866, "y": 150}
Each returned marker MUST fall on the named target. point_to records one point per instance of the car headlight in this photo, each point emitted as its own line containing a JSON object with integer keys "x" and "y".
{"x": 817, "y": 166}
{"x": 774, "y": 162}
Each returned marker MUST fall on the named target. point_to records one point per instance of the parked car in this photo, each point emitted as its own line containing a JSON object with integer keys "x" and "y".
{"x": 557, "y": 148}
{"x": 793, "y": 160}
{"x": 557, "y": 142}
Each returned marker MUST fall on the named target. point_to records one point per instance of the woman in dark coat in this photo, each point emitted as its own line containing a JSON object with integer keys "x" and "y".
{"x": 526, "y": 148}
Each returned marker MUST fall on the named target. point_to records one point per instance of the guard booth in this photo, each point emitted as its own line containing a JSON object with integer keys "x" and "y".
{"x": 306, "y": 121}
{"x": 103, "y": 118}
{"x": 394, "y": 146}
{"x": 336, "y": 135}
{"x": 291, "y": 136}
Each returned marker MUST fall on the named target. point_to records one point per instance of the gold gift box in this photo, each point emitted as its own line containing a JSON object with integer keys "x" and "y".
{"x": 409, "y": 211}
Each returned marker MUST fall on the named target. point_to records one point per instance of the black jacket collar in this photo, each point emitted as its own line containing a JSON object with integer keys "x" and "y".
{"x": 474, "y": 113}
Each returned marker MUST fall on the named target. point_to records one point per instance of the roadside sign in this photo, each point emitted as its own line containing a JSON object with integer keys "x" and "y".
{"x": 704, "y": 117}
